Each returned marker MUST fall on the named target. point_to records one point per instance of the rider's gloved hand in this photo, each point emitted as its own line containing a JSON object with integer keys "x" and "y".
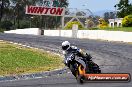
{"x": 88, "y": 57}
{"x": 72, "y": 56}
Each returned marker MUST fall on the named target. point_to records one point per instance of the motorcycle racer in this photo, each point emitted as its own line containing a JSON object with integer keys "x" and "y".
{"x": 67, "y": 49}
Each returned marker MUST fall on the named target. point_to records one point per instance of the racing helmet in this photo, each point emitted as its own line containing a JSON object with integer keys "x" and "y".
{"x": 65, "y": 45}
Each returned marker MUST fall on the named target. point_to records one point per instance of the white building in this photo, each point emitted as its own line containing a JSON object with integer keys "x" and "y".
{"x": 115, "y": 22}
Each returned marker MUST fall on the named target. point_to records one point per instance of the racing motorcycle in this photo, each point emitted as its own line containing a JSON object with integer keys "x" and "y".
{"x": 81, "y": 66}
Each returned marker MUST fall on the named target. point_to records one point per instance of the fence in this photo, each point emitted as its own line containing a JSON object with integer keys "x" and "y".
{"x": 89, "y": 34}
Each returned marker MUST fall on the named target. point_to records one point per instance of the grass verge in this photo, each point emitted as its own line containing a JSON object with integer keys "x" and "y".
{"x": 126, "y": 29}
{"x": 16, "y": 59}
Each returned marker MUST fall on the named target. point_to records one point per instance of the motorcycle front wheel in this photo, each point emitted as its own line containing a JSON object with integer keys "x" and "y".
{"x": 80, "y": 75}
{"x": 72, "y": 70}
{"x": 80, "y": 79}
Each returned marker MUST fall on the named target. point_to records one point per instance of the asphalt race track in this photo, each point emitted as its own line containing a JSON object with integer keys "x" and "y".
{"x": 113, "y": 57}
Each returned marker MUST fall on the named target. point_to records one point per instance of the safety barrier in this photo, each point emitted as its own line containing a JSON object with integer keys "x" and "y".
{"x": 89, "y": 34}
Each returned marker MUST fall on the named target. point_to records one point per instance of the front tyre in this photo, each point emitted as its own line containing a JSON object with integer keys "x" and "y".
{"x": 80, "y": 79}
{"x": 72, "y": 70}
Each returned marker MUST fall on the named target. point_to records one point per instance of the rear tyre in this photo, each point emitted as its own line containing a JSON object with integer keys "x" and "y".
{"x": 97, "y": 70}
{"x": 94, "y": 67}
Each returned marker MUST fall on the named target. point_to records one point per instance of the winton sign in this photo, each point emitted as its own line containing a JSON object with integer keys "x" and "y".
{"x": 40, "y": 10}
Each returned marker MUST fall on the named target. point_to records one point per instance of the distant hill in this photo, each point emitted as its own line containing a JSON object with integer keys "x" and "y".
{"x": 101, "y": 13}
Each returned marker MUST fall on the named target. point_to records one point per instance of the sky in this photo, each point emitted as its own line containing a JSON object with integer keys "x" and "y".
{"x": 94, "y": 5}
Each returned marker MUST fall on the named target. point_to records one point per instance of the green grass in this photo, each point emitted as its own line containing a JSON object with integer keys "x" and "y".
{"x": 126, "y": 29}
{"x": 19, "y": 60}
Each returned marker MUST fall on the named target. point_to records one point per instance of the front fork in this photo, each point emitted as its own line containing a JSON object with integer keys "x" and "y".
{"x": 77, "y": 69}
{"x": 80, "y": 77}
{"x": 81, "y": 70}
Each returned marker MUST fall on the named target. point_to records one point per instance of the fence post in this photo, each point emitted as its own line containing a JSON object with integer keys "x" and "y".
{"x": 74, "y": 30}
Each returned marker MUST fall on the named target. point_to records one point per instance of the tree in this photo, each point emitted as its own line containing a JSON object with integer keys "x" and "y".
{"x": 54, "y": 21}
{"x": 6, "y": 25}
{"x": 112, "y": 15}
{"x": 109, "y": 15}
{"x": 63, "y": 3}
{"x": 14, "y": 11}
{"x": 90, "y": 24}
{"x": 80, "y": 13}
{"x": 124, "y": 7}
{"x": 96, "y": 20}
{"x": 4, "y": 4}
{"x": 18, "y": 7}
{"x": 127, "y": 21}
{"x": 50, "y": 21}
{"x": 106, "y": 16}
{"x": 102, "y": 23}
{"x": 70, "y": 24}
{"x": 19, "y": 10}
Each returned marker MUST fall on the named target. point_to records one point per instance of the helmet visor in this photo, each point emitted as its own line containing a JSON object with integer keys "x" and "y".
{"x": 65, "y": 47}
